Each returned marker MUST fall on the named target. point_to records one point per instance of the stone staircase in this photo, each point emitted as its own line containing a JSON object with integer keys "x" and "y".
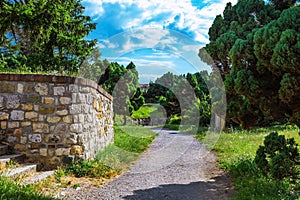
{"x": 13, "y": 166}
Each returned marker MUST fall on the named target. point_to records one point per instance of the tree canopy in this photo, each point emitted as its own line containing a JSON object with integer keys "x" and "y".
{"x": 122, "y": 83}
{"x": 44, "y": 35}
{"x": 256, "y": 48}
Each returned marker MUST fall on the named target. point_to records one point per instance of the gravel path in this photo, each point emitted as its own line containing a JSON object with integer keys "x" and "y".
{"x": 176, "y": 166}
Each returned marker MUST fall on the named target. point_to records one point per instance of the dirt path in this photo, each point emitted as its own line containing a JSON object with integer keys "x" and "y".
{"x": 176, "y": 166}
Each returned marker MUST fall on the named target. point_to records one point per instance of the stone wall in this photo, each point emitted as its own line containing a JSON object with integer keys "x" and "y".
{"x": 54, "y": 119}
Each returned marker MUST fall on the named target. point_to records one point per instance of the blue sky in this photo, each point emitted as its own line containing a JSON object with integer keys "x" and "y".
{"x": 157, "y": 35}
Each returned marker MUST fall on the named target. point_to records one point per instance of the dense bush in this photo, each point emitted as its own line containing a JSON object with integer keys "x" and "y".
{"x": 279, "y": 157}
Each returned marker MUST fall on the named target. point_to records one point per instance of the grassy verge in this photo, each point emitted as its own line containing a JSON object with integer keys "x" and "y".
{"x": 10, "y": 190}
{"x": 236, "y": 151}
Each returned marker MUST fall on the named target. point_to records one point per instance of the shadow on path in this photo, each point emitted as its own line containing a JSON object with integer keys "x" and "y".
{"x": 215, "y": 190}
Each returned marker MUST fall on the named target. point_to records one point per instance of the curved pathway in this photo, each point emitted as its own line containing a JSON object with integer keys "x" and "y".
{"x": 176, "y": 166}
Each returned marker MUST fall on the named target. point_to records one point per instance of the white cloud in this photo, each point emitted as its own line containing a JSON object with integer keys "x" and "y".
{"x": 180, "y": 14}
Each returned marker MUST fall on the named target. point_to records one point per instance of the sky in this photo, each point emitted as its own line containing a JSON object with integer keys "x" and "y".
{"x": 156, "y": 35}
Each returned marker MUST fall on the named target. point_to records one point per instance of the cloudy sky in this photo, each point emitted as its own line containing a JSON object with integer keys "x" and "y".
{"x": 157, "y": 35}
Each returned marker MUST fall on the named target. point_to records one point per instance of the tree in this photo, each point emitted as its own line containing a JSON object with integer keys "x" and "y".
{"x": 122, "y": 83}
{"x": 283, "y": 4}
{"x": 183, "y": 96}
{"x": 256, "y": 51}
{"x": 45, "y": 35}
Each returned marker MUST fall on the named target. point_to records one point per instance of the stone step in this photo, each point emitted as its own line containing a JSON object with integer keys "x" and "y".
{"x": 22, "y": 170}
{"x": 39, "y": 176}
{"x": 14, "y": 157}
{"x": 3, "y": 149}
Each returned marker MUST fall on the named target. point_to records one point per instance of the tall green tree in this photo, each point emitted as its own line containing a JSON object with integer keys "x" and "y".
{"x": 122, "y": 83}
{"x": 44, "y": 34}
{"x": 260, "y": 46}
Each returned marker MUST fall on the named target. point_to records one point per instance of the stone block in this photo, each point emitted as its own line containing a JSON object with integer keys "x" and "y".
{"x": 11, "y": 139}
{"x": 23, "y": 140}
{"x": 44, "y": 152}
{"x": 31, "y": 116}
{"x": 76, "y": 128}
{"x": 24, "y": 124}
{"x": 48, "y": 100}
{"x": 54, "y": 139}
{"x": 73, "y": 88}
{"x": 45, "y": 110}
{"x": 7, "y": 87}
{"x": 40, "y": 127}
{"x": 41, "y": 88}
{"x": 81, "y": 98}
{"x": 17, "y": 115}
{"x": 84, "y": 89}
{"x": 65, "y": 100}
{"x": 59, "y": 91}
{"x": 68, "y": 119}
{"x": 53, "y": 119}
{"x": 13, "y": 124}
{"x": 20, "y": 88}
{"x": 62, "y": 151}
{"x": 74, "y": 97}
{"x": 62, "y": 112}
{"x": 3, "y": 125}
{"x": 27, "y": 130}
{"x": 33, "y": 99}
{"x": 76, "y": 150}
{"x": 35, "y": 138}
{"x": 18, "y": 132}
{"x": 61, "y": 128}
{"x": 75, "y": 109}
{"x": 27, "y": 107}
{"x": 4, "y": 116}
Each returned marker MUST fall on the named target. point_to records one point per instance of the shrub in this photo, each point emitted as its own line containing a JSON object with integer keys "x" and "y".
{"x": 278, "y": 157}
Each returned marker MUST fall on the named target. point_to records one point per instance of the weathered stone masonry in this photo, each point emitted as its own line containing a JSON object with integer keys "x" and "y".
{"x": 54, "y": 119}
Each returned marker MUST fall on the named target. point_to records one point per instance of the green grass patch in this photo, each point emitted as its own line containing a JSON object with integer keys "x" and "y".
{"x": 134, "y": 139}
{"x": 236, "y": 151}
{"x": 10, "y": 190}
{"x": 129, "y": 143}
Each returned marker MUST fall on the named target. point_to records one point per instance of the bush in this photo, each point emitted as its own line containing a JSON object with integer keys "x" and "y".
{"x": 176, "y": 119}
{"x": 278, "y": 157}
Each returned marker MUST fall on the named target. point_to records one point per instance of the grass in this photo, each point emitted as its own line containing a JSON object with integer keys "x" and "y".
{"x": 10, "y": 190}
{"x": 130, "y": 141}
{"x": 236, "y": 151}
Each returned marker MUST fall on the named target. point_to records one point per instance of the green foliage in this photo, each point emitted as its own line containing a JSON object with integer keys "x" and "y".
{"x": 10, "y": 190}
{"x": 44, "y": 36}
{"x": 88, "y": 168}
{"x": 236, "y": 152}
{"x": 122, "y": 83}
{"x": 283, "y": 4}
{"x": 176, "y": 119}
{"x": 182, "y": 96}
{"x": 279, "y": 157}
{"x": 143, "y": 112}
{"x": 255, "y": 45}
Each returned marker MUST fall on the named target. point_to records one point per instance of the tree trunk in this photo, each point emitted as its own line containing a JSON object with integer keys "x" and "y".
{"x": 124, "y": 119}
